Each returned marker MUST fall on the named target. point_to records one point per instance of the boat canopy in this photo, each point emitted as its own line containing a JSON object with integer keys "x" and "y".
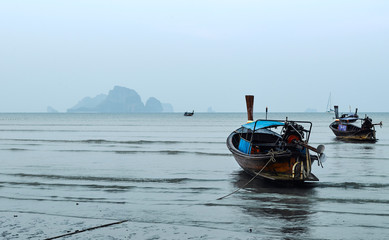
{"x": 262, "y": 124}
{"x": 349, "y": 119}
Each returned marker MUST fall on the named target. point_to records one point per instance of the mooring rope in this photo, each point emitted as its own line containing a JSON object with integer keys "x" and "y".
{"x": 272, "y": 159}
{"x": 87, "y": 229}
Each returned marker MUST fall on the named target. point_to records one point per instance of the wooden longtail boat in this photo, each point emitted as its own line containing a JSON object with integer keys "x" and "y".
{"x": 188, "y": 114}
{"x": 282, "y": 155}
{"x": 344, "y": 129}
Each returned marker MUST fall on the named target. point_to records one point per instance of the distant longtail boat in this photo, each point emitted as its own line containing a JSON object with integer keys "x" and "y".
{"x": 344, "y": 129}
{"x": 188, "y": 114}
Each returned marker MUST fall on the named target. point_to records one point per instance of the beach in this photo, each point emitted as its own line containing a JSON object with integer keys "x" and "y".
{"x": 160, "y": 175}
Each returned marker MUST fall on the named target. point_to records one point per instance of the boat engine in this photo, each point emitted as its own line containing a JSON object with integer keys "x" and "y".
{"x": 293, "y": 131}
{"x": 368, "y": 123}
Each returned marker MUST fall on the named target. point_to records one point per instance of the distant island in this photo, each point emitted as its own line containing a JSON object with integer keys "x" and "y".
{"x": 120, "y": 100}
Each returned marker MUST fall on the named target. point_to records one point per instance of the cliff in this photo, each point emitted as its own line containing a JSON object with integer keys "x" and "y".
{"x": 119, "y": 100}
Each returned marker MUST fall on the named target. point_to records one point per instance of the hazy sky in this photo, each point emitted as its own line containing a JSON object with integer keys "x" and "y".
{"x": 196, "y": 53}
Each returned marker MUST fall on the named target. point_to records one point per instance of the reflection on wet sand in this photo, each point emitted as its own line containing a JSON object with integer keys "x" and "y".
{"x": 288, "y": 209}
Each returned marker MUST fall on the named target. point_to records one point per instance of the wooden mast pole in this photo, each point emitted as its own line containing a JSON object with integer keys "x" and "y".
{"x": 250, "y": 107}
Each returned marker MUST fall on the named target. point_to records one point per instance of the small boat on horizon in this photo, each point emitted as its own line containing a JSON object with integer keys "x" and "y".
{"x": 282, "y": 156}
{"x": 344, "y": 129}
{"x": 188, "y": 114}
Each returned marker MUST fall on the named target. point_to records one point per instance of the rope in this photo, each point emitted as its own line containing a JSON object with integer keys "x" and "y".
{"x": 272, "y": 159}
{"x": 87, "y": 229}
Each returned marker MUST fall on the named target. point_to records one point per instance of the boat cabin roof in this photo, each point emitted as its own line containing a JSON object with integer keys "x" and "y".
{"x": 260, "y": 124}
{"x": 263, "y": 124}
{"x": 348, "y": 119}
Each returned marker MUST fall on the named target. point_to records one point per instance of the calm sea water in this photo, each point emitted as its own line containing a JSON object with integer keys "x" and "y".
{"x": 163, "y": 173}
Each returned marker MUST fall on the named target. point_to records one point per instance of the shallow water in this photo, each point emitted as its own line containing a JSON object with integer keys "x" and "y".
{"x": 164, "y": 172}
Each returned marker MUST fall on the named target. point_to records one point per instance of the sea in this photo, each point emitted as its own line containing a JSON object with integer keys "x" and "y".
{"x": 158, "y": 176}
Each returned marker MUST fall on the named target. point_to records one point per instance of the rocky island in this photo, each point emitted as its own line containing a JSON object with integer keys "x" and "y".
{"x": 120, "y": 100}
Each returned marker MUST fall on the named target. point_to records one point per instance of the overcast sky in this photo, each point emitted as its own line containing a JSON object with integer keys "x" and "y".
{"x": 196, "y": 54}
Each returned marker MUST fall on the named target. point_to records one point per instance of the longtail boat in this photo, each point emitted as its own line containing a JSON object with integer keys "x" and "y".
{"x": 344, "y": 127}
{"x": 188, "y": 114}
{"x": 275, "y": 149}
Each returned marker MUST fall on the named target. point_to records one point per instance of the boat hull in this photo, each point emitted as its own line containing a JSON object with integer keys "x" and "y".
{"x": 352, "y": 133}
{"x": 285, "y": 166}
